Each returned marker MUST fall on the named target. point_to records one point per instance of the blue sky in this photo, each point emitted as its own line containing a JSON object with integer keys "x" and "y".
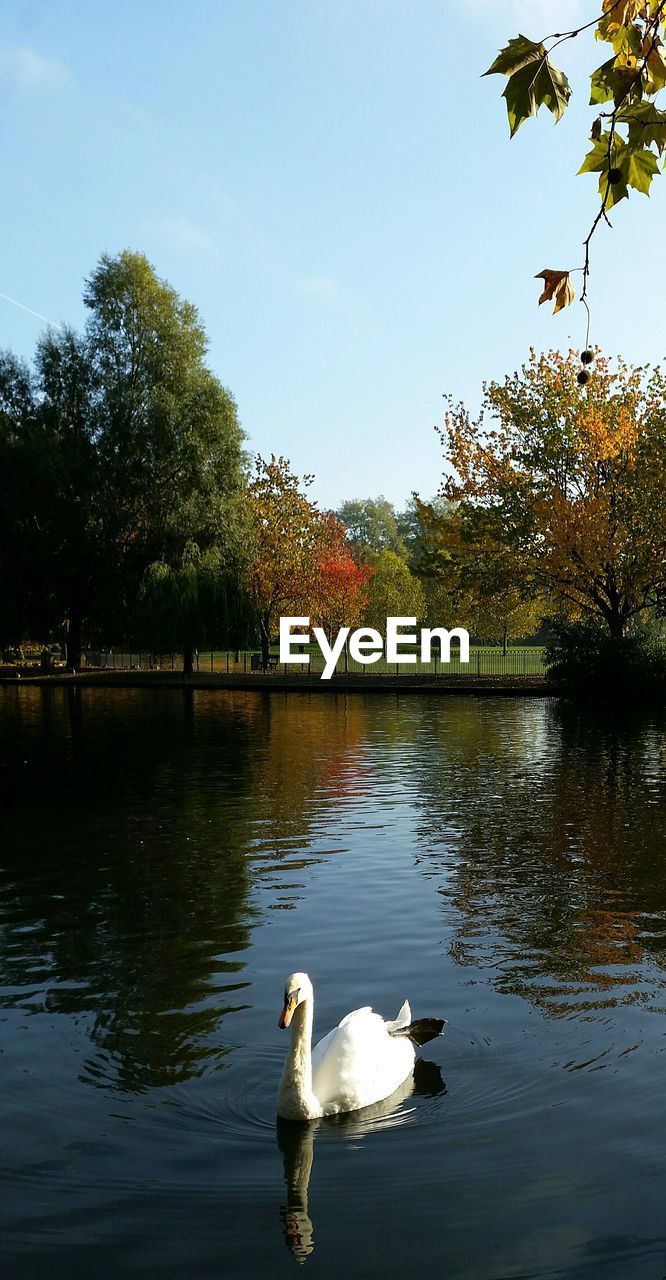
{"x": 333, "y": 185}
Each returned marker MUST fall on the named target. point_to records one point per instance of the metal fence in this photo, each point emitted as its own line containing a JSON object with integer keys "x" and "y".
{"x": 525, "y": 661}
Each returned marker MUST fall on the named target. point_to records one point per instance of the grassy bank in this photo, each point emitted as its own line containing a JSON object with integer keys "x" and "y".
{"x": 484, "y": 660}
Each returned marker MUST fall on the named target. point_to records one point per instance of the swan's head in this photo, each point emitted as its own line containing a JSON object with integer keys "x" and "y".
{"x": 297, "y": 989}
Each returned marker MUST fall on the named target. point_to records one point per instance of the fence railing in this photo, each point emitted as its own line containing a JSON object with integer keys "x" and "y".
{"x": 524, "y": 661}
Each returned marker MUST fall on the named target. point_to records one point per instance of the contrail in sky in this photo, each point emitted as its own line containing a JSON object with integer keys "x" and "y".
{"x": 30, "y": 311}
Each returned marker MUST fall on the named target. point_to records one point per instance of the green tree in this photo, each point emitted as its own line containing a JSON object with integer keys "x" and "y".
{"x": 413, "y": 528}
{"x": 479, "y": 578}
{"x": 196, "y": 604}
{"x": 26, "y": 482}
{"x": 141, "y": 441}
{"x": 394, "y": 591}
{"x": 372, "y": 525}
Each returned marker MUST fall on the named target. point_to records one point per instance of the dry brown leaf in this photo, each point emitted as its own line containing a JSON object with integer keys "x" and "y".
{"x": 556, "y": 285}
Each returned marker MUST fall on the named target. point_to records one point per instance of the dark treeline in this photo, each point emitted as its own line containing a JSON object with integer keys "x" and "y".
{"x": 121, "y": 462}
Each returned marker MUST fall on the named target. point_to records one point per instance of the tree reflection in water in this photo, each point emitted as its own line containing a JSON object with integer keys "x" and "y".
{"x": 548, "y": 836}
{"x": 136, "y": 826}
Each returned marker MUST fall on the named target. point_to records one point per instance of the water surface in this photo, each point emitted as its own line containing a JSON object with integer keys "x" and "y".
{"x": 169, "y": 857}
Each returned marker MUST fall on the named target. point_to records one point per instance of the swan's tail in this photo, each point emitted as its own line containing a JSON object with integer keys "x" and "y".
{"x": 421, "y": 1030}
{"x": 402, "y": 1021}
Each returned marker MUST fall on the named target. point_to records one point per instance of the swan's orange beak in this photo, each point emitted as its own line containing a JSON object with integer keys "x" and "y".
{"x": 287, "y": 1012}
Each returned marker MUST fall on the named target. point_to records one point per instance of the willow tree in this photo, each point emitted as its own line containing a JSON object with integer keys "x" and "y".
{"x": 195, "y": 604}
{"x": 562, "y": 491}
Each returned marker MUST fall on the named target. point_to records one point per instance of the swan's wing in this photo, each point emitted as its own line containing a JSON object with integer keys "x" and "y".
{"x": 359, "y": 1062}
{"x": 403, "y": 1019}
{"x": 347, "y": 1039}
{"x": 357, "y": 1013}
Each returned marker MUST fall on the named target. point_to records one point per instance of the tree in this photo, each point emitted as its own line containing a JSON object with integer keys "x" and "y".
{"x": 628, "y": 137}
{"x": 505, "y": 616}
{"x": 412, "y": 529}
{"x": 585, "y": 661}
{"x": 288, "y": 542}
{"x": 141, "y": 442}
{"x": 196, "y": 604}
{"x": 482, "y": 583}
{"x": 26, "y": 482}
{"x": 479, "y": 588}
{"x": 341, "y": 584}
{"x": 372, "y": 525}
{"x": 394, "y": 591}
{"x": 564, "y": 493}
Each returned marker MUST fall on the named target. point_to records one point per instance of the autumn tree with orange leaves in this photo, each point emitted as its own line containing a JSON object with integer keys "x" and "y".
{"x": 561, "y": 487}
{"x": 300, "y": 562}
{"x": 287, "y": 536}
{"x": 341, "y": 587}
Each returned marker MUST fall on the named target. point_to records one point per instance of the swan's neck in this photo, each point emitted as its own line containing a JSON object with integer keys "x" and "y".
{"x": 296, "y": 1101}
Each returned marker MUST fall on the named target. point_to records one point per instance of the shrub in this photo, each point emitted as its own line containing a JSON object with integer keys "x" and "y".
{"x": 585, "y": 661}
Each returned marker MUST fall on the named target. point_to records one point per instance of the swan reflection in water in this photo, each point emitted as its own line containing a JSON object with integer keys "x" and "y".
{"x": 296, "y": 1140}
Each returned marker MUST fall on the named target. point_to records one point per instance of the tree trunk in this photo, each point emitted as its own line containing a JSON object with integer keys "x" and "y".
{"x": 616, "y": 625}
{"x": 505, "y": 639}
{"x": 265, "y": 642}
{"x": 74, "y": 628}
{"x": 188, "y": 662}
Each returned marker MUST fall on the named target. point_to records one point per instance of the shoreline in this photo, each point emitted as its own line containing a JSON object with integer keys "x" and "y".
{"x": 512, "y": 686}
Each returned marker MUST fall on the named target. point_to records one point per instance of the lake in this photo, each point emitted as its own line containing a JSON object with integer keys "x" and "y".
{"x": 169, "y": 857}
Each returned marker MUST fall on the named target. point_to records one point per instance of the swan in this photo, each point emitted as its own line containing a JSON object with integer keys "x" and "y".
{"x": 361, "y": 1061}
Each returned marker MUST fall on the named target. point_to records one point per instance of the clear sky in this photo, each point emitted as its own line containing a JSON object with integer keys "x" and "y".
{"x": 333, "y": 185}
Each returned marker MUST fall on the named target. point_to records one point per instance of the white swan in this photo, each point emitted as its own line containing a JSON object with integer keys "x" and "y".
{"x": 359, "y": 1062}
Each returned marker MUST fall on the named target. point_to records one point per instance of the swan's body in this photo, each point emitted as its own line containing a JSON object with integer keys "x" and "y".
{"x": 361, "y": 1061}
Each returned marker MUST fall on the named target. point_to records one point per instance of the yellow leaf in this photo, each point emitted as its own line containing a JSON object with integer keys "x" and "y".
{"x": 657, "y": 67}
{"x": 625, "y": 62}
{"x": 556, "y": 285}
{"x": 622, "y": 12}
